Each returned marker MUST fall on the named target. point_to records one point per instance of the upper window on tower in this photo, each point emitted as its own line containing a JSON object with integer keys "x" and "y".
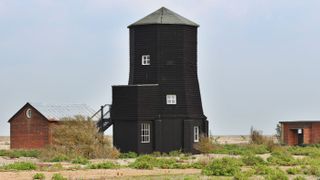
{"x": 145, "y": 59}
{"x": 171, "y": 99}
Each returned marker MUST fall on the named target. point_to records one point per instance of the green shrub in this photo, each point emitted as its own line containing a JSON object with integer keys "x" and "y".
{"x": 282, "y": 158}
{"x": 222, "y": 167}
{"x": 20, "y": 166}
{"x": 144, "y": 162}
{"x": 104, "y": 165}
{"x": 80, "y": 160}
{"x": 39, "y": 176}
{"x": 251, "y": 160}
{"x": 276, "y": 174}
{"x": 128, "y": 155}
{"x": 294, "y": 170}
{"x": 58, "y": 176}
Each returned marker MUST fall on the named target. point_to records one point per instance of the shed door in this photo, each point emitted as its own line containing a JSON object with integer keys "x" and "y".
{"x": 300, "y": 136}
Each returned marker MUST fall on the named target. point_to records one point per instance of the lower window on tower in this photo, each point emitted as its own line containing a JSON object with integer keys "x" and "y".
{"x": 145, "y": 132}
{"x": 196, "y": 134}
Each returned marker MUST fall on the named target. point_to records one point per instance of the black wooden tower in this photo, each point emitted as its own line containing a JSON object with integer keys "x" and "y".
{"x": 160, "y": 109}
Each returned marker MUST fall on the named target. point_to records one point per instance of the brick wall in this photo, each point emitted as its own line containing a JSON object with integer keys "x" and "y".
{"x": 28, "y": 133}
{"x": 315, "y": 132}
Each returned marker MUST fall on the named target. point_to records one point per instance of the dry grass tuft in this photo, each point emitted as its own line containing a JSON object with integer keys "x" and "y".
{"x": 74, "y": 137}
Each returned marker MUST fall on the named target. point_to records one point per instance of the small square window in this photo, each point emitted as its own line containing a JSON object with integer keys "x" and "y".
{"x": 196, "y": 134}
{"x": 145, "y": 59}
{"x": 171, "y": 99}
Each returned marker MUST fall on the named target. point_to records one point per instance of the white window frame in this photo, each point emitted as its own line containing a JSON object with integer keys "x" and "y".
{"x": 171, "y": 99}
{"x": 145, "y": 132}
{"x": 145, "y": 60}
{"x": 196, "y": 137}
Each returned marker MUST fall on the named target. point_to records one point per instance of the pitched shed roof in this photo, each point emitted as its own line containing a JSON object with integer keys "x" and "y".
{"x": 58, "y": 111}
{"x": 164, "y": 16}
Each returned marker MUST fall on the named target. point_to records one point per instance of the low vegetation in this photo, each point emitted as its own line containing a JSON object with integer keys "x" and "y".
{"x": 39, "y": 176}
{"x": 20, "y": 166}
{"x": 104, "y": 165}
{"x": 20, "y": 153}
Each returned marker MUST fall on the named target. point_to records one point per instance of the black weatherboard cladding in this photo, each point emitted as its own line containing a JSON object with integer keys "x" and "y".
{"x": 173, "y": 70}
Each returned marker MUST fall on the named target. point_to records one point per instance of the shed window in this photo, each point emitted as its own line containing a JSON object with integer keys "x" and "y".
{"x": 145, "y": 132}
{"x": 171, "y": 99}
{"x": 29, "y": 113}
{"x": 196, "y": 133}
{"x": 145, "y": 60}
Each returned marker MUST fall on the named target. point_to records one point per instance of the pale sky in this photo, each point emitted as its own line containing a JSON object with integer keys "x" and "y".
{"x": 258, "y": 61}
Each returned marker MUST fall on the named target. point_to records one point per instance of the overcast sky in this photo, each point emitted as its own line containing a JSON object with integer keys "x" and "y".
{"x": 258, "y": 61}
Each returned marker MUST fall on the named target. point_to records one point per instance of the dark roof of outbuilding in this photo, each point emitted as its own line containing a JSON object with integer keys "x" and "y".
{"x": 164, "y": 16}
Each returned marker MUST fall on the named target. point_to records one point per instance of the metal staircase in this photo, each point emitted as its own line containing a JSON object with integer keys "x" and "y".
{"x": 104, "y": 120}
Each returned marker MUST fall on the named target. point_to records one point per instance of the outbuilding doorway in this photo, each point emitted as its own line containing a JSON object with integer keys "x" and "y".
{"x": 300, "y": 136}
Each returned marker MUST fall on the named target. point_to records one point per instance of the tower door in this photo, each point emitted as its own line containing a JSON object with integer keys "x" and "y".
{"x": 300, "y": 136}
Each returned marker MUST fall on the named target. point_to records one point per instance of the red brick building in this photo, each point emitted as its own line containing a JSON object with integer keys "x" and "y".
{"x": 300, "y": 132}
{"x": 31, "y": 126}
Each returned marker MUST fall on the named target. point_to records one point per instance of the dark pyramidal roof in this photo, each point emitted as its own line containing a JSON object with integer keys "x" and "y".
{"x": 164, "y": 16}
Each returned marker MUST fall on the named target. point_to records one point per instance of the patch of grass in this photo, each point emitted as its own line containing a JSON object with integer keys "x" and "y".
{"x": 128, "y": 155}
{"x": 240, "y": 149}
{"x": 104, "y": 165}
{"x": 80, "y": 160}
{"x": 299, "y": 178}
{"x": 244, "y": 175}
{"x": 175, "y": 153}
{"x": 20, "y": 153}
{"x": 58, "y": 176}
{"x": 20, "y": 166}
{"x": 252, "y": 160}
{"x": 222, "y": 167}
{"x": 149, "y": 162}
{"x": 39, "y": 176}
{"x": 311, "y": 170}
{"x": 294, "y": 170}
{"x": 282, "y": 158}
{"x": 262, "y": 169}
{"x": 277, "y": 174}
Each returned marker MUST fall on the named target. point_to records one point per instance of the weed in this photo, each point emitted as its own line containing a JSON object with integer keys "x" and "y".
{"x": 282, "y": 158}
{"x": 300, "y": 178}
{"x": 294, "y": 170}
{"x": 251, "y": 160}
{"x": 245, "y": 175}
{"x": 59, "y": 158}
{"x": 58, "y": 176}
{"x": 222, "y": 167}
{"x": 262, "y": 169}
{"x": 175, "y": 153}
{"x": 311, "y": 170}
{"x": 104, "y": 165}
{"x": 205, "y": 145}
{"x": 276, "y": 174}
{"x": 128, "y": 155}
{"x": 80, "y": 160}
{"x": 39, "y": 176}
